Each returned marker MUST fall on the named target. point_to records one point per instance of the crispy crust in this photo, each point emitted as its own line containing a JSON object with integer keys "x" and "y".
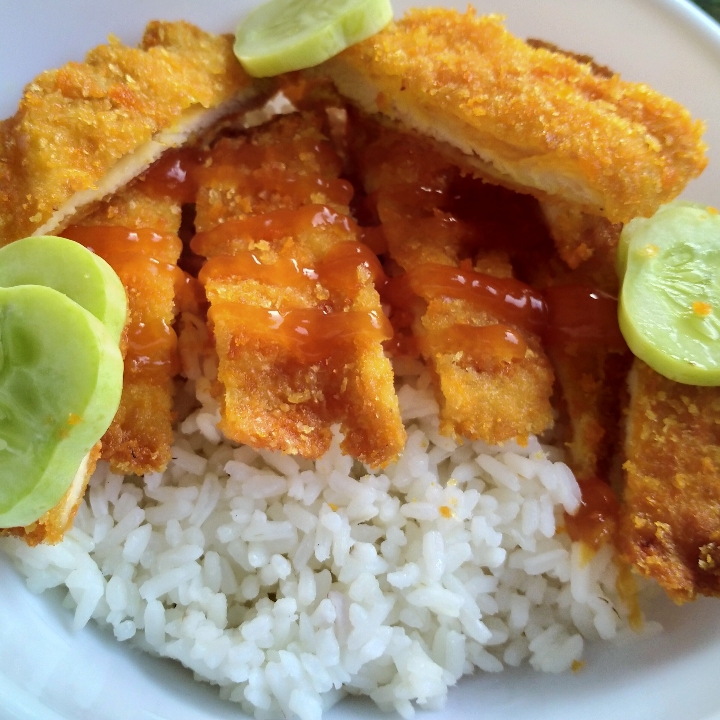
{"x": 53, "y": 525}
{"x": 670, "y": 515}
{"x": 514, "y": 110}
{"x": 486, "y": 398}
{"x": 272, "y": 398}
{"x": 138, "y": 440}
{"x": 86, "y": 129}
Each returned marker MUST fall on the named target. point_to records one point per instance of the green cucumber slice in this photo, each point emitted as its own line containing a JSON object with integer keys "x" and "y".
{"x": 284, "y": 35}
{"x": 69, "y": 268}
{"x": 669, "y": 309}
{"x": 60, "y": 385}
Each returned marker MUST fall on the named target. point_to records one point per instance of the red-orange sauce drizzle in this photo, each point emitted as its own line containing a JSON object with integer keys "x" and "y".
{"x": 108, "y": 241}
{"x": 310, "y": 334}
{"x": 506, "y": 298}
{"x": 595, "y": 522}
{"x": 224, "y": 239}
{"x": 246, "y": 265}
{"x": 174, "y": 175}
{"x": 151, "y": 342}
{"x": 577, "y": 313}
{"x": 562, "y": 314}
{"x": 338, "y": 270}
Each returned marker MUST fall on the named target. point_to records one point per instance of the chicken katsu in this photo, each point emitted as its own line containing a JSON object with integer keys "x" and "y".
{"x": 670, "y": 515}
{"x": 493, "y": 380}
{"x": 137, "y": 235}
{"x": 445, "y": 74}
{"x": 469, "y": 184}
{"x": 80, "y": 133}
{"x": 441, "y": 73}
{"x": 87, "y": 129}
{"x": 296, "y": 318}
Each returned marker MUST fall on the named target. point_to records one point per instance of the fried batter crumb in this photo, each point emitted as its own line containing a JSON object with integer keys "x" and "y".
{"x": 512, "y": 112}
{"x": 75, "y": 124}
{"x": 670, "y": 515}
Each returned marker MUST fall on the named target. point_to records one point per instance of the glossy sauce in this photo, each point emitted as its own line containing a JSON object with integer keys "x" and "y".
{"x": 562, "y": 314}
{"x": 580, "y": 314}
{"x": 138, "y": 255}
{"x": 246, "y": 265}
{"x": 311, "y": 335}
{"x": 174, "y": 175}
{"x": 108, "y": 241}
{"x": 233, "y": 235}
{"x": 513, "y": 301}
{"x": 595, "y": 523}
{"x": 342, "y": 269}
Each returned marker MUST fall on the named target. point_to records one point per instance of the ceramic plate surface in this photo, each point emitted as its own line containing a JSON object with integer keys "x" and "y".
{"x": 47, "y": 672}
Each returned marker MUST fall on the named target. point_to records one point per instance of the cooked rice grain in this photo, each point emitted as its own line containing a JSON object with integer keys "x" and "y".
{"x": 289, "y": 583}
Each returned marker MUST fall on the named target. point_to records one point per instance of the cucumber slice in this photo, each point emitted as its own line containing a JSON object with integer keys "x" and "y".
{"x": 60, "y": 385}
{"x": 670, "y": 300}
{"x": 71, "y": 269}
{"x": 285, "y": 35}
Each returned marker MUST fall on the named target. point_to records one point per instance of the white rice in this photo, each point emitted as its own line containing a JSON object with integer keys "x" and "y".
{"x": 289, "y": 583}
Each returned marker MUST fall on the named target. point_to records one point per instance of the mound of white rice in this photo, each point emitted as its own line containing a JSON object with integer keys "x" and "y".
{"x": 290, "y": 583}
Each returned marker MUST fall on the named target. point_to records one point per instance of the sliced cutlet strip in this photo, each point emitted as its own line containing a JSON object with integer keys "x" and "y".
{"x": 591, "y": 373}
{"x": 509, "y": 112}
{"x": 137, "y": 234}
{"x": 53, "y": 525}
{"x": 85, "y": 130}
{"x": 670, "y": 511}
{"x": 297, "y": 321}
{"x": 493, "y": 380}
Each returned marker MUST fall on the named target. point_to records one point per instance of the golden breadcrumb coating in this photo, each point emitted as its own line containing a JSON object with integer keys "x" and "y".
{"x": 273, "y": 218}
{"x": 75, "y": 123}
{"x": 139, "y": 438}
{"x": 530, "y": 118}
{"x": 496, "y": 402}
{"x": 670, "y": 513}
{"x": 53, "y": 525}
{"x": 481, "y": 396}
{"x": 579, "y": 236}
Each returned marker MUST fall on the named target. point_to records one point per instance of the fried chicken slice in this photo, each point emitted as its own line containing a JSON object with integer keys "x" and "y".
{"x": 137, "y": 234}
{"x": 53, "y": 525}
{"x": 487, "y": 388}
{"x": 579, "y": 237}
{"x": 591, "y": 376}
{"x": 670, "y": 511}
{"x": 297, "y": 322}
{"x": 591, "y": 379}
{"x": 510, "y": 112}
{"x": 86, "y": 129}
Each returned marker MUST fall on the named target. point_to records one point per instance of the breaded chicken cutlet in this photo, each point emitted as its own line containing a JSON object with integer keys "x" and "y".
{"x": 136, "y": 234}
{"x": 87, "y": 129}
{"x": 83, "y": 132}
{"x": 296, "y": 318}
{"x": 271, "y": 211}
{"x": 513, "y": 111}
{"x": 509, "y": 112}
{"x": 487, "y": 388}
{"x": 670, "y": 514}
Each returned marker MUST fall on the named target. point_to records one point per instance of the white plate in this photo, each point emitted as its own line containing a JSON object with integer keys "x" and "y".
{"x": 49, "y": 673}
